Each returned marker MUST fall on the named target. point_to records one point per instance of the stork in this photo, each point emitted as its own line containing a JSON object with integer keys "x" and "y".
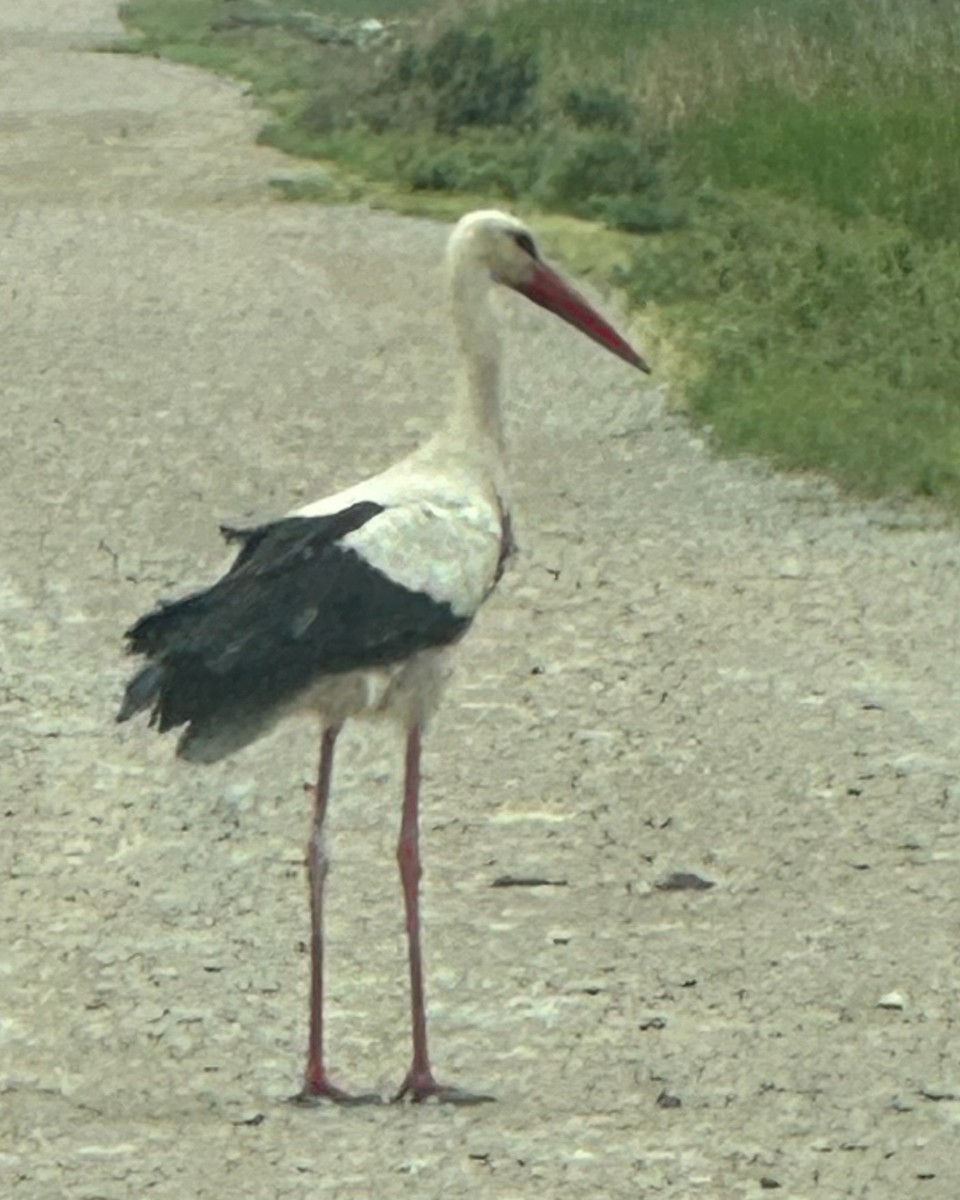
{"x": 351, "y": 606}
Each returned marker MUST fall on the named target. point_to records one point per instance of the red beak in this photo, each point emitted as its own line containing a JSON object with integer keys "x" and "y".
{"x": 548, "y": 289}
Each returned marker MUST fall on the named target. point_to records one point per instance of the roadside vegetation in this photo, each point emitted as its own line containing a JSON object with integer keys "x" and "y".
{"x": 778, "y": 185}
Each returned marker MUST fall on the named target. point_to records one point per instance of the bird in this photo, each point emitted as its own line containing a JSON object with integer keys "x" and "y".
{"x": 353, "y": 605}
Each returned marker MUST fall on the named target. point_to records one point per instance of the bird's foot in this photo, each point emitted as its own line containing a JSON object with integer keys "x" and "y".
{"x": 418, "y": 1087}
{"x": 322, "y": 1091}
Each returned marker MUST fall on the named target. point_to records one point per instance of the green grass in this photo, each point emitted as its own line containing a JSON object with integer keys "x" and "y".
{"x": 780, "y": 182}
{"x": 897, "y": 158}
{"x": 817, "y": 345}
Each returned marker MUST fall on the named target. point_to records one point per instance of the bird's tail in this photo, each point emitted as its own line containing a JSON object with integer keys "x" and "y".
{"x": 178, "y": 689}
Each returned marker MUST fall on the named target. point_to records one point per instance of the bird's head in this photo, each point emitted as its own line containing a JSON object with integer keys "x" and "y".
{"x": 500, "y": 245}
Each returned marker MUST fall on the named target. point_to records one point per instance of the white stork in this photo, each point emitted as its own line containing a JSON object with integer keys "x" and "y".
{"x": 351, "y": 605}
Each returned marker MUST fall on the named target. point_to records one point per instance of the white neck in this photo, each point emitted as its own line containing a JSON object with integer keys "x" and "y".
{"x": 476, "y": 414}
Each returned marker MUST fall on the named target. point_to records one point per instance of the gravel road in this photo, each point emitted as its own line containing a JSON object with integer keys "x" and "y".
{"x": 694, "y": 667}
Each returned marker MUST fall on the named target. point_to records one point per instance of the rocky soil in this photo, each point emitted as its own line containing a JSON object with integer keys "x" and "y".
{"x": 695, "y": 668}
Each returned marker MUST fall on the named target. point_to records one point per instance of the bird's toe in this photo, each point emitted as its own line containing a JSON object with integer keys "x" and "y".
{"x": 419, "y": 1089}
{"x": 312, "y": 1095}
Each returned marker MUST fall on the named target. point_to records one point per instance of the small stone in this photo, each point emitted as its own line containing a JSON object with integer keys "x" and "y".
{"x": 683, "y": 881}
{"x": 892, "y": 1000}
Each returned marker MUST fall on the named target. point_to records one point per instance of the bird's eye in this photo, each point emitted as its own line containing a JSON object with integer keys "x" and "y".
{"x": 525, "y": 242}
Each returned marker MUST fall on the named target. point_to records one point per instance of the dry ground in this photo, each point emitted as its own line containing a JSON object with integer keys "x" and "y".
{"x": 693, "y": 666}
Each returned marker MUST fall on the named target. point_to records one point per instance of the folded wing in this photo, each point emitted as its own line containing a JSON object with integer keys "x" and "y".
{"x": 297, "y": 604}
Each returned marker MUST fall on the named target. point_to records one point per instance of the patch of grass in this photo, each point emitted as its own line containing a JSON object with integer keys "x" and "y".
{"x": 897, "y": 157}
{"x": 276, "y": 63}
{"x": 421, "y": 162}
{"x": 816, "y": 345}
{"x": 268, "y": 44}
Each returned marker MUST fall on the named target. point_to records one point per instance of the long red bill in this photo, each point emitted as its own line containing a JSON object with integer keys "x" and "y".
{"x": 551, "y": 291}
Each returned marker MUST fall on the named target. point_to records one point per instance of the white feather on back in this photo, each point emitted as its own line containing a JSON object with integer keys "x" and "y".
{"x": 450, "y": 553}
{"x": 440, "y": 532}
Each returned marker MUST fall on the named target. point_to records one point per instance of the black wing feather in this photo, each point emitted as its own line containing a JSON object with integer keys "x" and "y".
{"x": 294, "y": 605}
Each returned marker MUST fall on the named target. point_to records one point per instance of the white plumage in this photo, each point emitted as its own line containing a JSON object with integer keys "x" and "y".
{"x": 351, "y": 605}
{"x": 448, "y": 549}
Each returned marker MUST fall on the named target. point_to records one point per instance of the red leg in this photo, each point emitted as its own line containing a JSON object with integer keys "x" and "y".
{"x": 316, "y": 1085}
{"x": 419, "y": 1084}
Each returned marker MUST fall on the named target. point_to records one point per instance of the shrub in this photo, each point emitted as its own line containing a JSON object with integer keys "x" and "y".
{"x": 597, "y": 108}
{"x": 476, "y": 162}
{"x": 638, "y": 215}
{"x": 461, "y": 80}
{"x": 600, "y": 175}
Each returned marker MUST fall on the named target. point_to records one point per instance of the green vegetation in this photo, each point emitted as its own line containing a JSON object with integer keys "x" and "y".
{"x": 817, "y": 344}
{"x": 779, "y": 183}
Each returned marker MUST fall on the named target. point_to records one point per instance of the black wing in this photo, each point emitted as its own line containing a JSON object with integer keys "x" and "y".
{"x": 294, "y": 606}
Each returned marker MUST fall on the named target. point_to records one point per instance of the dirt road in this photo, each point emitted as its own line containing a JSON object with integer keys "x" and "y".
{"x": 694, "y": 666}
